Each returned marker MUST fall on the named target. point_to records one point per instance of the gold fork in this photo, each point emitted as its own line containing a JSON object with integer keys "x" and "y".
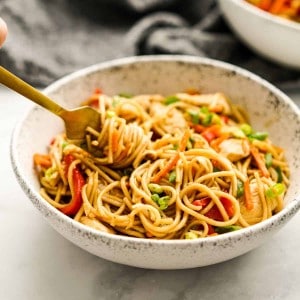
{"x": 76, "y": 120}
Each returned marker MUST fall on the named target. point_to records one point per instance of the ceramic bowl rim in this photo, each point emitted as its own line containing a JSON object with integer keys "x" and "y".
{"x": 289, "y": 210}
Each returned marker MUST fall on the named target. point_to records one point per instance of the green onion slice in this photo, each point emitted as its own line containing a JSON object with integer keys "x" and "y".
{"x": 275, "y": 190}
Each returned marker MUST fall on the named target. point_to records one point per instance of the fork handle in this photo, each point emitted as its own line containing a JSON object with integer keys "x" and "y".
{"x": 18, "y": 85}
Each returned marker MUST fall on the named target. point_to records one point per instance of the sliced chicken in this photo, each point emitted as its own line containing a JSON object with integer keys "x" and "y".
{"x": 167, "y": 119}
{"x": 234, "y": 149}
{"x": 215, "y": 102}
{"x": 96, "y": 224}
{"x": 255, "y": 215}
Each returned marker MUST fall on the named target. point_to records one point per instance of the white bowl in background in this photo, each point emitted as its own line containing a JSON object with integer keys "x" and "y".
{"x": 268, "y": 35}
{"x": 269, "y": 109}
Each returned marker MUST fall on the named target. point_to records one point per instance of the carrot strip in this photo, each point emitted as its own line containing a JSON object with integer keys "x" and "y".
{"x": 173, "y": 161}
{"x": 123, "y": 154}
{"x": 277, "y": 6}
{"x": 265, "y": 4}
{"x": 169, "y": 166}
{"x": 259, "y": 161}
{"x": 247, "y": 195}
{"x": 42, "y": 160}
{"x": 115, "y": 140}
{"x": 184, "y": 140}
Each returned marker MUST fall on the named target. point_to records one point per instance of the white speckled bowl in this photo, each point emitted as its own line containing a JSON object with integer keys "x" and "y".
{"x": 271, "y": 36}
{"x": 268, "y": 108}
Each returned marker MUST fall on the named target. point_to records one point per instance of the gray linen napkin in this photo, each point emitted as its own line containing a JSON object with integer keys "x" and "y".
{"x": 48, "y": 39}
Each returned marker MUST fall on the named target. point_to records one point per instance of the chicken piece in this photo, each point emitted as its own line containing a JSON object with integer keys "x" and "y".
{"x": 146, "y": 101}
{"x": 167, "y": 119}
{"x": 234, "y": 149}
{"x": 255, "y": 215}
{"x": 215, "y": 102}
{"x": 96, "y": 224}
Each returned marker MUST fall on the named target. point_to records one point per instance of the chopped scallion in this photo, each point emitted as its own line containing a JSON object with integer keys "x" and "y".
{"x": 279, "y": 174}
{"x": 162, "y": 202}
{"x": 172, "y": 177}
{"x": 204, "y": 110}
{"x": 216, "y": 119}
{"x": 238, "y": 133}
{"x": 275, "y": 191}
{"x": 207, "y": 119}
{"x": 50, "y": 172}
{"x": 155, "y": 188}
{"x": 268, "y": 159}
{"x": 190, "y": 235}
{"x": 215, "y": 169}
{"x": 116, "y": 101}
{"x": 110, "y": 114}
{"x": 155, "y": 197}
{"x": 170, "y": 100}
{"x": 240, "y": 188}
{"x": 64, "y": 144}
{"x": 195, "y": 117}
{"x": 225, "y": 229}
{"x": 125, "y": 95}
{"x": 246, "y": 128}
{"x": 261, "y": 136}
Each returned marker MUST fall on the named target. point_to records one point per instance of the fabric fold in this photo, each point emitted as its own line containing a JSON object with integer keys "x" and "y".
{"x": 48, "y": 39}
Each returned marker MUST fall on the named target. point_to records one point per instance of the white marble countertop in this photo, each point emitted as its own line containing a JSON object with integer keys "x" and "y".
{"x": 37, "y": 263}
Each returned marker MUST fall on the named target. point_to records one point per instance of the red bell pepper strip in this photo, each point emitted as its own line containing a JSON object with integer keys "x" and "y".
{"x": 68, "y": 159}
{"x": 93, "y": 100}
{"x": 78, "y": 182}
{"x": 202, "y": 202}
{"x": 228, "y": 206}
{"x": 215, "y": 214}
{"x": 211, "y": 229}
{"x": 211, "y": 133}
{"x": 197, "y": 127}
{"x": 225, "y": 119}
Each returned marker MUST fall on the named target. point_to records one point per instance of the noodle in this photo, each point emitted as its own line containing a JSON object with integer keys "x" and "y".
{"x": 179, "y": 167}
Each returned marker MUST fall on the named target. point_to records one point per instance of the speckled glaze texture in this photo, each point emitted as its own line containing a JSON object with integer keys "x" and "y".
{"x": 268, "y": 108}
{"x": 270, "y": 36}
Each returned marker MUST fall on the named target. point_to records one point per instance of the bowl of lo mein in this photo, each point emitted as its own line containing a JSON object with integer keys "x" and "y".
{"x": 195, "y": 161}
{"x": 270, "y": 28}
